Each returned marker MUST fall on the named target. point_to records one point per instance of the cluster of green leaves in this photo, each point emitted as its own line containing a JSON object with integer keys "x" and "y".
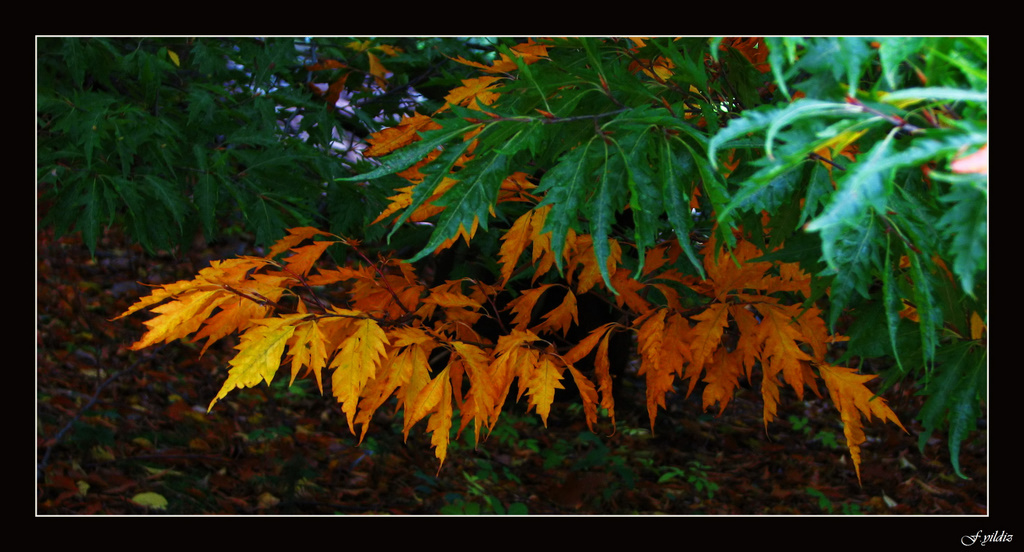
{"x": 166, "y": 138}
{"x": 626, "y": 137}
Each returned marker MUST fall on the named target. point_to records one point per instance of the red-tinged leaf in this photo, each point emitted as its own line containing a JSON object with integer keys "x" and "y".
{"x": 427, "y": 400}
{"x": 326, "y": 64}
{"x": 259, "y": 354}
{"x": 295, "y": 236}
{"x": 852, "y": 398}
{"x": 302, "y": 260}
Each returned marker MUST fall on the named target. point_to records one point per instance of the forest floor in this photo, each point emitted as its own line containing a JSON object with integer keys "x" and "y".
{"x": 118, "y": 429}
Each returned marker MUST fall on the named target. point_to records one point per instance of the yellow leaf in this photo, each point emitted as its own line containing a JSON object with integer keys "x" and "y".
{"x": 259, "y": 354}
{"x": 181, "y": 317}
{"x": 155, "y": 501}
{"x": 174, "y": 58}
{"x": 307, "y": 348}
{"x": 356, "y": 363}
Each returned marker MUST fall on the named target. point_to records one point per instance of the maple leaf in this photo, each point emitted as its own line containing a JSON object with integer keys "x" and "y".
{"x": 513, "y": 243}
{"x": 355, "y": 363}
{"x": 543, "y": 378}
{"x": 259, "y": 354}
{"x": 181, "y": 317}
{"x": 706, "y": 336}
{"x": 473, "y": 91}
{"x": 722, "y": 377}
{"x": 853, "y": 399}
{"x": 295, "y": 236}
{"x": 308, "y": 349}
{"x": 588, "y": 394}
{"x": 301, "y": 261}
{"x": 434, "y": 398}
{"x": 650, "y": 341}
{"x": 561, "y": 317}
{"x": 404, "y": 133}
{"x": 781, "y": 350}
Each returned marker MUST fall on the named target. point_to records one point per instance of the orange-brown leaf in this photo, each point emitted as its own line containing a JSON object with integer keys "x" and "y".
{"x": 561, "y": 317}
{"x": 406, "y": 132}
{"x": 852, "y": 398}
{"x": 513, "y": 243}
{"x": 781, "y": 352}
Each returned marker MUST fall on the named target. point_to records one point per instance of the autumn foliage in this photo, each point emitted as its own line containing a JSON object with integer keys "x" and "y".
{"x": 649, "y": 139}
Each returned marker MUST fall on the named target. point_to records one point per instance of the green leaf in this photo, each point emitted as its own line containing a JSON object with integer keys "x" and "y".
{"x": 676, "y": 172}
{"x": 965, "y": 227}
{"x": 468, "y": 201}
{"x": 564, "y": 186}
{"x": 607, "y": 199}
{"x": 954, "y": 395}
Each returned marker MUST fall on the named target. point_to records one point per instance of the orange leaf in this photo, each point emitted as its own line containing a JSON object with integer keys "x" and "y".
{"x": 544, "y": 378}
{"x": 513, "y": 243}
{"x": 403, "y": 134}
{"x": 650, "y": 341}
{"x": 722, "y": 378}
{"x": 588, "y": 394}
{"x": 562, "y": 316}
{"x": 472, "y": 90}
{"x": 852, "y": 398}
{"x": 781, "y": 351}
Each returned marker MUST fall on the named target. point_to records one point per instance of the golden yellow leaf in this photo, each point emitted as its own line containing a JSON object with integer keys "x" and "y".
{"x": 355, "y": 363}
{"x": 259, "y": 354}
{"x": 545, "y": 377}
{"x": 181, "y": 317}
